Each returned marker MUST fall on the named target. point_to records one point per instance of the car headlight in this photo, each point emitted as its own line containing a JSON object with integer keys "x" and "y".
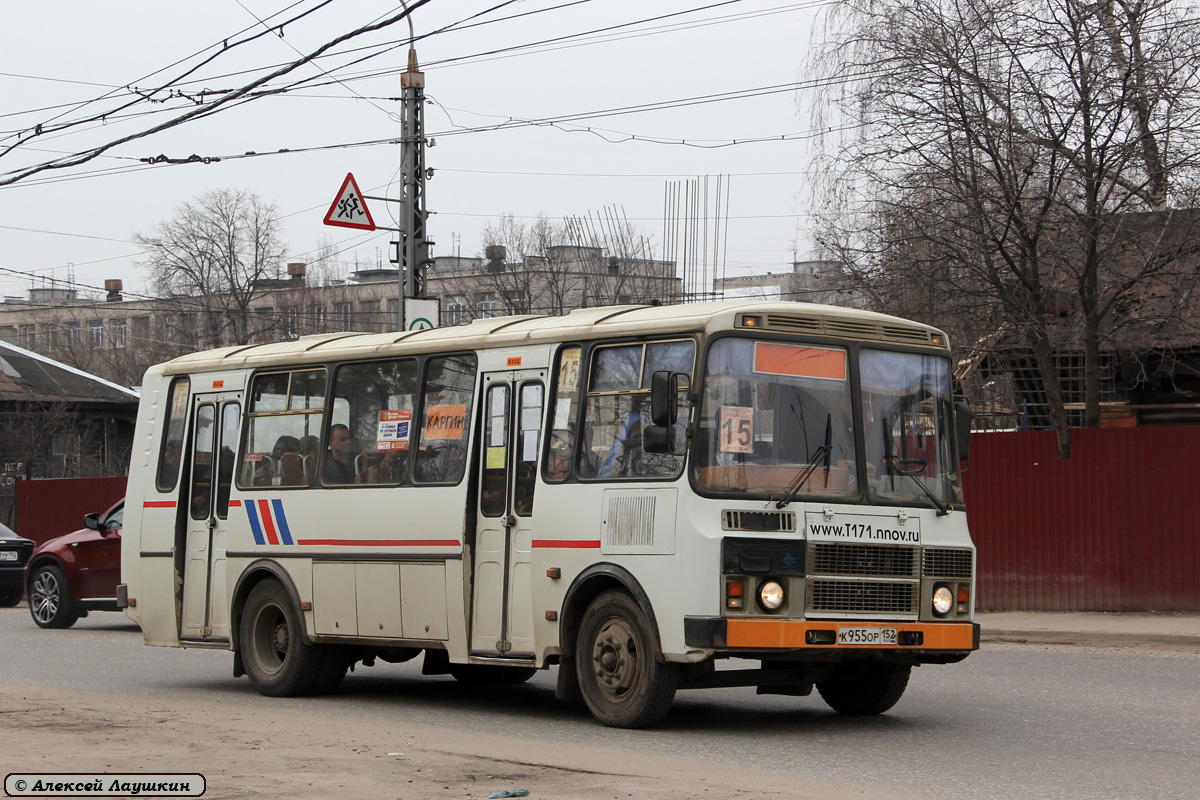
{"x": 943, "y": 600}
{"x": 770, "y": 595}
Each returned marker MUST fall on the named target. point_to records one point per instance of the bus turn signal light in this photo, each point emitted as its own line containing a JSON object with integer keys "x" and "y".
{"x": 734, "y": 594}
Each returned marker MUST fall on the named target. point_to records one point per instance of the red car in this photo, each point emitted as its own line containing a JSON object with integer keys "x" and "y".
{"x": 70, "y": 575}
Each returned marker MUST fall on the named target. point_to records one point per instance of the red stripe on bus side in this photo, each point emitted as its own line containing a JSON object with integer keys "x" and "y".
{"x": 235, "y": 503}
{"x": 264, "y": 513}
{"x": 159, "y": 504}
{"x": 383, "y": 542}
{"x": 591, "y": 544}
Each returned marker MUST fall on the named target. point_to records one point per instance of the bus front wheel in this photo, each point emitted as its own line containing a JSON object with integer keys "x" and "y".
{"x": 622, "y": 682}
{"x": 277, "y": 660}
{"x": 862, "y": 688}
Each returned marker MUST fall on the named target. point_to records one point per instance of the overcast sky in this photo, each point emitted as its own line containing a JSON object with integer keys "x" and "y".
{"x": 56, "y": 56}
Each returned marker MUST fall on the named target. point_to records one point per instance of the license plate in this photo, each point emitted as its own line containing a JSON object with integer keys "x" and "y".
{"x": 8, "y": 555}
{"x": 876, "y": 636}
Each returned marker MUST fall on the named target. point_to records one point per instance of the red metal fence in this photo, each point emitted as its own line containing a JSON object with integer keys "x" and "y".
{"x": 49, "y": 508}
{"x": 1112, "y": 529}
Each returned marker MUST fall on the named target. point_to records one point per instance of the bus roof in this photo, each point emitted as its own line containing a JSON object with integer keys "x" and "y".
{"x": 584, "y": 323}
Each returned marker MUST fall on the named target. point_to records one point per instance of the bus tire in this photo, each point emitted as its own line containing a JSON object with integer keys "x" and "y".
{"x": 50, "y": 602}
{"x": 277, "y": 660}
{"x": 622, "y": 681}
{"x": 490, "y": 674}
{"x": 863, "y": 688}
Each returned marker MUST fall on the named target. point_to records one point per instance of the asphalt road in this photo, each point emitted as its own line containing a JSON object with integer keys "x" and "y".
{"x": 1012, "y": 721}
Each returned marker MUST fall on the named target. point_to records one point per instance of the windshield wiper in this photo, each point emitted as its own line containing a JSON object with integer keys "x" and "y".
{"x": 825, "y": 450}
{"x": 898, "y": 465}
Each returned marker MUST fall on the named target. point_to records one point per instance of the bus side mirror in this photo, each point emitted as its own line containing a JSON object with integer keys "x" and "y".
{"x": 962, "y": 423}
{"x": 659, "y": 436}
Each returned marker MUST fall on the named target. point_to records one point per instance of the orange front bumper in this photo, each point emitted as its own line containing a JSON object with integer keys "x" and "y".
{"x": 759, "y": 633}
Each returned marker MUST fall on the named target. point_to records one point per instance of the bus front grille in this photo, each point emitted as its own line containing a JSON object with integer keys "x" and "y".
{"x": 869, "y": 560}
{"x": 853, "y": 597}
{"x": 942, "y": 562}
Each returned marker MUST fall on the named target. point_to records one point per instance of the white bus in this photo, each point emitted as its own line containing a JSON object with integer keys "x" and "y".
{"x": 633, "y": 494}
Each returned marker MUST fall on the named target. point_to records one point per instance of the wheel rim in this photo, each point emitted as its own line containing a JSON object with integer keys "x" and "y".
{"x": 616, "y": 657}
{"x": 44, "y": 599}
{"x": 271, "y": 638}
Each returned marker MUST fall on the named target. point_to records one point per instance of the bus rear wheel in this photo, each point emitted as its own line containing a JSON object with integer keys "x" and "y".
{"x": 277, "y": 660}
{"x": 622, "y": 682}
{"x": 863, "y": 688}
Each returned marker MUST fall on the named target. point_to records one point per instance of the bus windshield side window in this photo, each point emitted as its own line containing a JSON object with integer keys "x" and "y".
{"x": 563, "y": 417}
{"x": 283, "y": 429}
{"x": 618, "y": 407}
{"x": 445, "y": 419}
{"x": 377, "y": 398}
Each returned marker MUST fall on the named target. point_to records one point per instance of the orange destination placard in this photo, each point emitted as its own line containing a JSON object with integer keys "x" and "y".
{"x": 799, "y": 361}
{"x": 445, "y": 422}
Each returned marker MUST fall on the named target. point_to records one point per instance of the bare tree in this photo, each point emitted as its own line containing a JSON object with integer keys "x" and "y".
{"x": 211, "y": 258}
{"x": 1005, "y": 152}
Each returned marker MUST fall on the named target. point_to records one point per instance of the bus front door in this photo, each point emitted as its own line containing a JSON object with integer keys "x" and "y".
{"x": 215, "y": 422}
{"x": 502, "y": 605}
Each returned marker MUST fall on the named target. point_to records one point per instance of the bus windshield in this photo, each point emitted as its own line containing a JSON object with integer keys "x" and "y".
{"x": 767, "y": 411}
{"x": 908, "y": 413}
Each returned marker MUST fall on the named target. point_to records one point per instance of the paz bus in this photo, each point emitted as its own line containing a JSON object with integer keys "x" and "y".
{"x": 651, "y": 499}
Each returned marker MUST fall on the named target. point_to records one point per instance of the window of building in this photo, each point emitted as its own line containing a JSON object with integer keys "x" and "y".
{"x": 72, "y": 333}
{"x": 485, "y": 305}
{"x": 96, "y": 333}
{"x": 141, "y": 330}
{"x": 516, "y": 301}
{"x": 368, "y": 312}
{"x": 456, "y": 310}
{"x": 117, "y": 333}
{"x": 29, "y": 336}
{"x": 283, "y": 433}
{"x": 289, "y": 323}
{"x": 393, "y": 313}
{"x": 343, "y": 316}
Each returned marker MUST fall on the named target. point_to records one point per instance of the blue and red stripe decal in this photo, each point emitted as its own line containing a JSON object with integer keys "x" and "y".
{"x": 269, "y": 525}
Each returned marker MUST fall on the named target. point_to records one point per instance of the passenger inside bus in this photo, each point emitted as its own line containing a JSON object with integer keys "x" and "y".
{"x": 339, "y": 461}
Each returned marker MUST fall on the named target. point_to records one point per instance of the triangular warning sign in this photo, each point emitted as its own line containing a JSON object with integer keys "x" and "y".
{"x": 349, "y": 209}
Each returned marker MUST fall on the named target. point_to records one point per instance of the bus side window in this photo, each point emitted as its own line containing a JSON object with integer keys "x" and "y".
{"x": 375, "y": 401}
{"x": 445, "y": 419}
{"x": 172, "y": 444}
{"x": 284, "y": 417}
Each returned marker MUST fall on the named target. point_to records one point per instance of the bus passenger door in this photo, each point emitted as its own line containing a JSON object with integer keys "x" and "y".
{"x": 502, "y": 603}
{"x": 215, "y": 422}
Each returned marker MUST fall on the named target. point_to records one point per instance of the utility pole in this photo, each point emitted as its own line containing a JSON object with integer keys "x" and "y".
{"x": 413, "y": 248}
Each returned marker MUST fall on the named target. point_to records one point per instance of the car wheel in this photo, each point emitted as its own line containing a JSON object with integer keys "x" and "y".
{"x": 622, "y": 682}
{"x": 862, "y": 688}
{"x": 49, "y": 598}
{"x": 277, "y": 660}
{"x": 11, "y": 599}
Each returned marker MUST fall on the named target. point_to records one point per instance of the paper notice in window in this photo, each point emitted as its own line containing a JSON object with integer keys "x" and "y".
{"x": 392, "y": 431}
{"x": 562, "y": 414}
{"x": 445, "y": 422}
{"x": 737, "y": 429}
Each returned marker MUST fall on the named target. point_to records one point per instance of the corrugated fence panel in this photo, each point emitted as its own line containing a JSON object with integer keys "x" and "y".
{"x": 1112, "y": 529}
{"x": 49, "y": 508}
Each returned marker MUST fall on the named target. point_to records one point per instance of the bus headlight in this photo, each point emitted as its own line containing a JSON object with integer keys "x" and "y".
{"x": 943, "y": 600}
{"x": 770, "y": 595}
